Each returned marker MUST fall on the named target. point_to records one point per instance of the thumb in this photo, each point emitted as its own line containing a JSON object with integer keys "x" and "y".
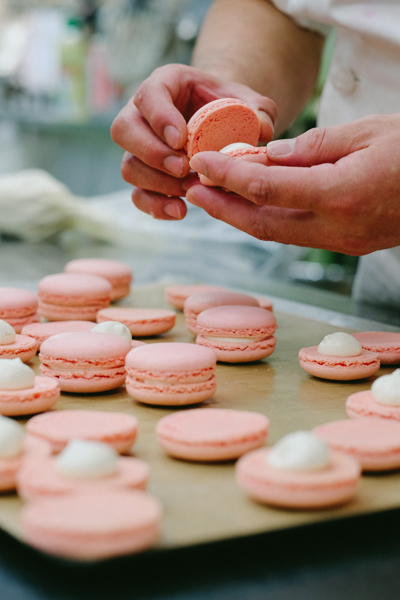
{"x": 317, "y": 146}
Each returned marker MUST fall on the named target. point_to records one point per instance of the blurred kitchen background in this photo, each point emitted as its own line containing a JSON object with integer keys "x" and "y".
{"x": 66, "y": 68}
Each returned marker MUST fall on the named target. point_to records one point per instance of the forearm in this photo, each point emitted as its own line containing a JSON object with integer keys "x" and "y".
{"x": 252, "y": 42}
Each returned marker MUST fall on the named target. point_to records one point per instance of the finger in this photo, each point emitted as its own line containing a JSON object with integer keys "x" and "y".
{"x": 286, "y": 187}
{"x": 321, "y": 145}
{"x": 159, "y": 206}
{"x": 135, "y": 172}
{"x": 131, "y": 132}
{"x": 269, "y": 223}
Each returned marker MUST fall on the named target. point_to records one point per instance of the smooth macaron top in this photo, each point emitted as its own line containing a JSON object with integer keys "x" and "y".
{"x": 220, "y": 123}
{"x": 43, "y": 330}
{"x": 236, "y": 320}
{"x": 17, "y": 300}
{"x": 110, "y": 269}
{"x": 370, "y": 435}
{"x": 204, "y": 300}
{"x": 84, "y": 345}
{"x": 70, "y": 287}
{"x": 171, "y": 357}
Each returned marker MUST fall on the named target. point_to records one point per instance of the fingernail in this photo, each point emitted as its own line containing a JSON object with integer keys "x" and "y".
{"x": 172, "y": 136}
{"x": 197, "y": 165}
{"x": 280, "y": 147}
{"x": 173, "y": 210}
{"x": 174, "y": 165}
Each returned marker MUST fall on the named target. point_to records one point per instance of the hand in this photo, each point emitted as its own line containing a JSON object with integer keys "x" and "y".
{"x": 152, "y": 130}
{"x": 336, "y": 188}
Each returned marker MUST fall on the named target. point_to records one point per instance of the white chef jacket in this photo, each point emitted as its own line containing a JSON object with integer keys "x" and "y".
{"x": 364, "y": 79}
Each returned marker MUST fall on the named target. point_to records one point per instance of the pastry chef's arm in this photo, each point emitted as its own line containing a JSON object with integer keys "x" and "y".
{"x": 247, "y": 49}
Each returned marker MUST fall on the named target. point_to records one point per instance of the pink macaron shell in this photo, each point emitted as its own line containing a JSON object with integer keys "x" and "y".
{"x": 73, "y": 296}
{"x": 254, "y": 154}
{"x": 177, "y": 294}
{"x": 92, "y": 526}
{"x": 252, "y": 326}
{"x": 385, "y": 344}
{"x": 18, "y": 307}
{"x": 41, "y": 477}
{"x": 363, "y": 404}
{"x": 24, "y": 347}
{"x": 341, "y": 368}
{"x": 222, "y": 122}
{"x": 10, "y": 466}
{"x": 42, "y": 331}
{"x": 42, "y": 396}
{"x": 211, "y": 434}
{"x": 171, "y": 374}
{"x": 85, "y": 361}
{"x": 117, "y": 273}
{"x": 374, "y": 442}
{"x": 197, "y": 303}
{"x": 322, "y": 488}
{"x": 59, "y": 427}
{"x": 140, "y": 321}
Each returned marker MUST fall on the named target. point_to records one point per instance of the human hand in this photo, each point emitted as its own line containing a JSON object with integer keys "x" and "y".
{"x": 152, "y": 129}
{"x": 336, "y": 188}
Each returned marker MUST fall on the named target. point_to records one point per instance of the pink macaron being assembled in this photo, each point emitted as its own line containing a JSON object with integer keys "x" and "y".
{"x": 237, "y": 333}
{"x": 23, "y": 393}
{"x": 177, "y": 294}
{"x": 92, "y": 526}
{"x": 14, "y": 345}
{"x": 117, "y": 273}
{"x": 340, "y": 357}
{"x": 18, "y": 307}
{"x": 299, "y": 472}
{"x": 382, "y": 400}
{"x": 171, "y": 374}
{"x": 82, "y": 466}
{"x": 211, "y": 434}
{"x": 242, "y": 151}
{"x": 73, "y": 296}
{"x": 385, "y": 344}
{"x": 41, "y": 331}
{"x": 219, "y": 123}
{"x": 374, "y": 442}
{"x": 197, "y": 303}
{"x": 86, "y": 361}
{"x": 59, "y": 427}
{"x": 141, "y": 322}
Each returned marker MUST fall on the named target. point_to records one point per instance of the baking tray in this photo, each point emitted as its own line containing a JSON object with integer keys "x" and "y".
{"x": 202, "y": 502}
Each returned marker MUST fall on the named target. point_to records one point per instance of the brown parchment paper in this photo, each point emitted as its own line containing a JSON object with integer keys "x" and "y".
{"x": 202, "y": 502}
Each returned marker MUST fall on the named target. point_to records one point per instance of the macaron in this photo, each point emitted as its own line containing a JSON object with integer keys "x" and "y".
{"x": 219, "y": 123}
{"x": 264, "y": 302}
{"x": 61, "y": 426}
{"x": 41, "y": 331}
{"x": 211, "y": 434}
{"x": 92, "y": 526}
{"x": 196, "y": 303}
{"x": 177, "y": 294}
{"x": 332, "y": 485}
{"x": 117, "y": 273}
{"x": 18, "y": 307}
{"x": 73, "y": 296}
{"x": 242, "y": 151}
{"x": 171, "y": 374}
{"x": 385, "y": 344}
{"x": 237, "y": 333}
{"x": 339, "y": 356}
{"x": 85, "y": 361}
{"x": 374, "y": 442}
{"x": 140, "y": 321}
{"x": 23, "y": 347}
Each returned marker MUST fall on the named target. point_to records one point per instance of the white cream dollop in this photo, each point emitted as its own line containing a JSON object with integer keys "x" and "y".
{"x": 7, "y": 333}
{"x": 386, "y": 389}
{"x": 87, "y": 460}
{"x": 14, "y": 375}
{"x": 114, "y": 327}
{"x": 11, "y": 437}
{"x": 235, "y": 146}
{"x": 299, "y": 451}
{"x": 340, "y": 344}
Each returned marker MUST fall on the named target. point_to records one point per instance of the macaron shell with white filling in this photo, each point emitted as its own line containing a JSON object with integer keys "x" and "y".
{"x": 39, "y": 398}
{"x": 313, "y": 489}
{"x": 341, "y": 368}
{"x": 24, "y": 347}
{"x": 363, "y": 404}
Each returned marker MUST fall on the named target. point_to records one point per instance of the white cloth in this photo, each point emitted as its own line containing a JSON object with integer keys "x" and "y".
{"x": 364, "y": 79}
